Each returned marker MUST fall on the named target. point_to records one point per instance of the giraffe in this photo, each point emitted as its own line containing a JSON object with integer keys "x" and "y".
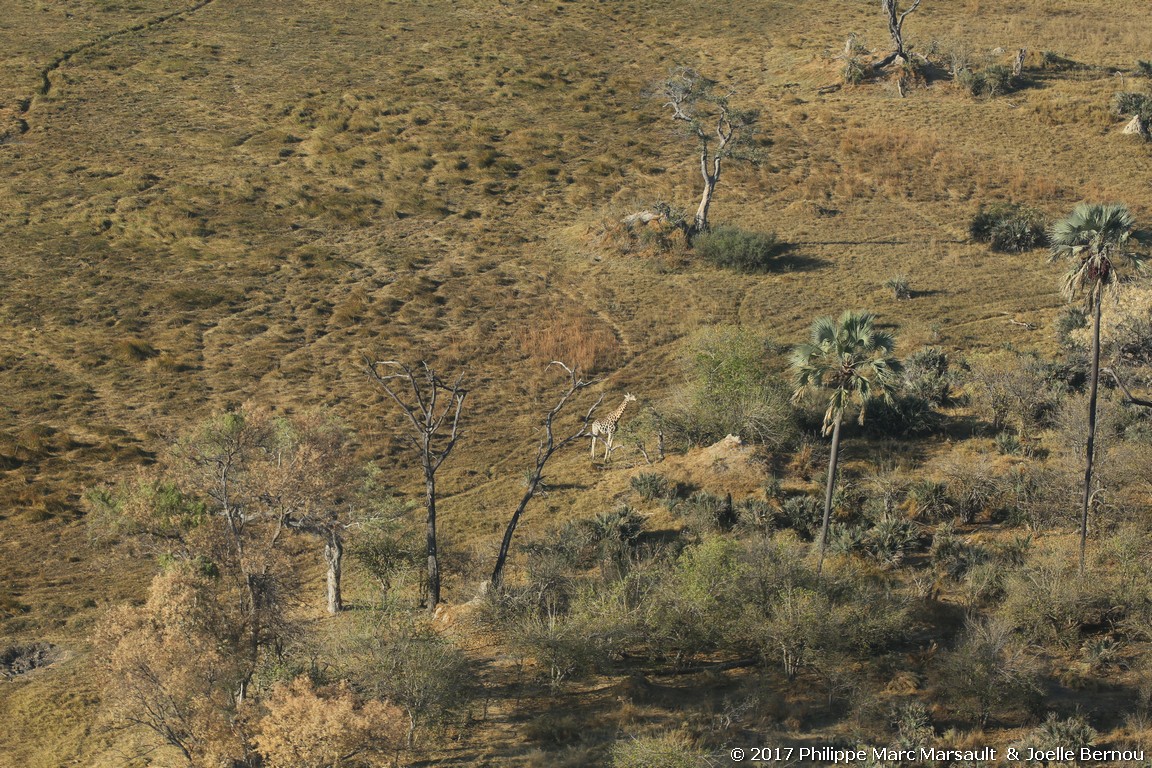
{"x": 605, "y": 428}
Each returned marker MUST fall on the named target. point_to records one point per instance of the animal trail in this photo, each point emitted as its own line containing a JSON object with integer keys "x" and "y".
{"x": 64, "y": 58}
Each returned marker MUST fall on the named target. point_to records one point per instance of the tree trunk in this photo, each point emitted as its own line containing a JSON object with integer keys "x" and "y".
{"x": 506, "y": 544}
{"x": 333, "y": 556}
{"x": 700, "y": 220}
{"x": 831, "y": 488}
{"x": 1094, "y": 380}
{"x": 433, "y": 561}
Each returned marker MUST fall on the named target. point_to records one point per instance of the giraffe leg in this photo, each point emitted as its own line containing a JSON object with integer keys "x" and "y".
{"x": 593, "y": 446}
{"x": 608, "y": 447}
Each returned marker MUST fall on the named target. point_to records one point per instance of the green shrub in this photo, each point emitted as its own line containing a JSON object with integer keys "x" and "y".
{"x": 927, "y": 375}
{"x": 803, "y": 514}
{"x": 890, "y": 540}
{"x": 1048, "y": 603}
{"x": 666, "y": 751}
{"x": 1072, "y": 733}
{"x": 952, "y": 555}
{"x": 855, "y": 71}
{"x": 731, "y": 390}
{"x": 846, "y": 539}
{"x": 1008, "y": 227}
{"x": 708, "y": 511}
{"x": 988, "y": 673}
{"x": 900, "y": 287}
{"x": 1129, "y": 104}
{"x": 651, "y": 485}
{"x": 1070, "y": 319}
{"x": 757, "y": 513}
{"x": 904, "y": 416}
{"x": 733, "y": 248}
{"x": 1008, "y": 444}
{"x": 1144, "y": 68}
{"x": 623, "y": 525}
{"x": 993, "y": 80}
{"x": 929, "y": 500}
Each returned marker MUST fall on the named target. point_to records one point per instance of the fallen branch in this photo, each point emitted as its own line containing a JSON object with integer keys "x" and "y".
{"x": 1127, "y": 394}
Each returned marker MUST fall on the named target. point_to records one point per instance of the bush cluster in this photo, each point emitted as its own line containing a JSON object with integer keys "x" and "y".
{"x": 994, "y": 80}
{"x": 734, "y": 248}
{"x": 1127, "y": 104}
{"x": 1009, "y": 227}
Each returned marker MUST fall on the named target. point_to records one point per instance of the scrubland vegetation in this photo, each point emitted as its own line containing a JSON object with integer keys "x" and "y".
{"x": 289, "y": 475}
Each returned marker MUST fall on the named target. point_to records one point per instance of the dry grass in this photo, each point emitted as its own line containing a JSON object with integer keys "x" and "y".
{"x": 213, "y": 209}
{"x": 580, "y": 339}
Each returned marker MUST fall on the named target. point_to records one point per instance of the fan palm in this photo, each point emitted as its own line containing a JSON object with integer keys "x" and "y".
{"x": 852, "y": 360}
{"x": 1094, "y": 240}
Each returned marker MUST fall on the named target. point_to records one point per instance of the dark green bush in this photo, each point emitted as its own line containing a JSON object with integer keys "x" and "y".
{"x": 906, "y": 415}
{"x": 651, "y": 485}
{"x": 1127, "y": 104}
{"x": 734, "y": 248}
{"x": 929, "y": 500}
{"x": 1008, "y": 227}
{"x": 803, "y": 514}
{"x": 855, "y": 71}
{"x": 1144, "y": 68}
{"x": 1070, "y": 319}
{"x": 707, "y": 511}
{"x": 994, "y": 80}
{"x": 927, "y": 375}
{"x": 890, "y": 540}
{"x": 900, "y": 286}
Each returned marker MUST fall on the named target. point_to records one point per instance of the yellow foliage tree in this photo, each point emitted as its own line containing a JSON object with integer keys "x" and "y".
{"x": 308, "y": 727}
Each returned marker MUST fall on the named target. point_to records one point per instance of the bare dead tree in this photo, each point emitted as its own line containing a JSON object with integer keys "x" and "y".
{"x": 549, "y": 444}
{"x": 895, "y": 18}
{"x": 721, "y": 130}
{"x": 1127, "y": 394}
{"x": 432, "y": 407}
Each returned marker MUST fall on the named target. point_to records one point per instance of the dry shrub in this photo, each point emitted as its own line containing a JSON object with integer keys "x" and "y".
{"x": 574, "y": 337}
{"x": 172, "y": 666}
{"x": 310, "y": 728}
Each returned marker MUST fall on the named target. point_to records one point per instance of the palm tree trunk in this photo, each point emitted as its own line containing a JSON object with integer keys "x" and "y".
{"x": 1094, "y": 381}
{"x": 833, "y": 459}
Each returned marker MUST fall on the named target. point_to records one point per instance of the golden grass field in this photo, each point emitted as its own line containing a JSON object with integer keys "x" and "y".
{"x": 204, "y": 204}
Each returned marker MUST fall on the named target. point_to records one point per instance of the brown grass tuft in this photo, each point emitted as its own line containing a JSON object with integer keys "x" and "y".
{"x": 577, "y": 338}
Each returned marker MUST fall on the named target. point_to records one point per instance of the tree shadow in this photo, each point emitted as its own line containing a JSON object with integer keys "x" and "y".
{"x": 787, "y": 260}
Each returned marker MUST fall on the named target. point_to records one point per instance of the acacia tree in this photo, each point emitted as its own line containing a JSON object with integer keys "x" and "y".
{"x": 852, "y": 359}
{"x": 721, "y": 130}
{"x": 549, "y": 444}
{"x": 1094, "y": 240}
{"x": 221, "y": 464}
{"x": 432, "y": 407}
{"x": 309, "y": 485}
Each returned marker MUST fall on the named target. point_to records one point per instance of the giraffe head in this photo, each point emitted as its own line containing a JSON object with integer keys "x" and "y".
{"x": 629, "y": 398}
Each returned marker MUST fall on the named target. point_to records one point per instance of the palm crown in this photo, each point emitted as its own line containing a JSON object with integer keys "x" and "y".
{"x": 851, "y": 358}
{"x": 1093, "y": 237}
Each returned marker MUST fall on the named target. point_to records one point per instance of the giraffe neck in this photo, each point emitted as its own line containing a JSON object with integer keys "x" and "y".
{"x": 615, "y": 417}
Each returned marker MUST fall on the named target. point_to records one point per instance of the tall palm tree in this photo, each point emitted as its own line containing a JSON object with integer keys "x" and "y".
{"x": 852, "y": 359}
{"x": 1094, "y": 239}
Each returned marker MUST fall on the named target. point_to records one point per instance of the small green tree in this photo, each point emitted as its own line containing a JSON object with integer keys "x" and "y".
{"x": 852, "y": 359}
{"x": 1094, "y": 240}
